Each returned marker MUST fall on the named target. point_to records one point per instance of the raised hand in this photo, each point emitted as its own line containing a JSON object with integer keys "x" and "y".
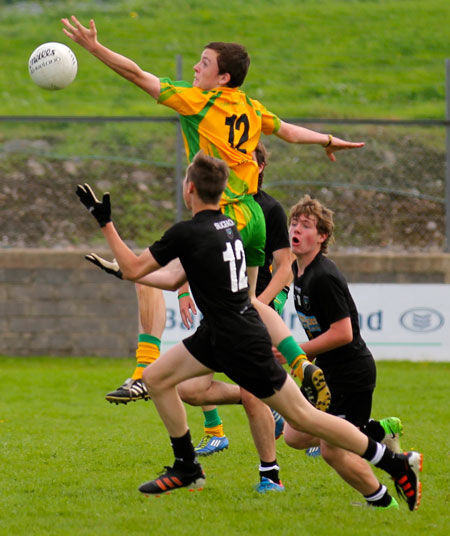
{"x": 101, "y": 210}
{"x": 85, "y": 37}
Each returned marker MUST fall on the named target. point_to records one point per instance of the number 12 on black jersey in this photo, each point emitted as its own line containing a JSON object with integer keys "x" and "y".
{"x": 230, "y": 255}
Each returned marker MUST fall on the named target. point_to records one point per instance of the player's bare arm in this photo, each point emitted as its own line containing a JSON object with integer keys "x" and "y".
{"x": 297, "y": 134}
{"x": 133, "y": 267}
{"x": 170, "y": 277}
{"x": 339, "y": 334}
{"x": 281, "y": 277}
{"x": 87, "y": 38}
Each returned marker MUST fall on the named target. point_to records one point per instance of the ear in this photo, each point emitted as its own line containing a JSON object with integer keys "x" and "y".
{"x": 322, "y": 238}
{"x": 224, "y": 79}
{"x": 190, "y": 187}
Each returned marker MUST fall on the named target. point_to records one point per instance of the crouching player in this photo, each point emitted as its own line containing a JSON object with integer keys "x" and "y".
{"x": 329, "y": 317}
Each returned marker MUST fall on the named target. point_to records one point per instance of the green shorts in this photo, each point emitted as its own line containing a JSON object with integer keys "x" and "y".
{"x": 249, "y": 219}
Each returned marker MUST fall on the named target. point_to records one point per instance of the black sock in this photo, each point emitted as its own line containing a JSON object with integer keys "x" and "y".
{"x": 371, "y": 451}
{"x": 382, "y": 457}
{"x": 269, "y": 470}
{"x": 392, "y": 463}
{"x": 380, "y": 498}
{"x": 183, "y": 450}
{"x": 374, "y": 430}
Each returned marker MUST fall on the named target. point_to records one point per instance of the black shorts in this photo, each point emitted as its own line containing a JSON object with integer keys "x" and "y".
{"x": 249, "y": 361}
{"x": 353, "y": 407}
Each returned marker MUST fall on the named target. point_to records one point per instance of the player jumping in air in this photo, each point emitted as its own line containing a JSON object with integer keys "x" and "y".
{"x": 224, "y": 122}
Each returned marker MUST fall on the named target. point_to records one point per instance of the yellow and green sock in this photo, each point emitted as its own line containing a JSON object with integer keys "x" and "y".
{"x": 213, "y": 423}
{"x": 294, "y": 355}
{"x": 147, "y": 352}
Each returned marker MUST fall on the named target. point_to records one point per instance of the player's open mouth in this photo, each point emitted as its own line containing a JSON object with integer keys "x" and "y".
{"x": 295, "y": 241}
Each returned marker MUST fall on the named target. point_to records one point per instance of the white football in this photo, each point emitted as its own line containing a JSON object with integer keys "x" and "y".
{"x": 52, "y": 66}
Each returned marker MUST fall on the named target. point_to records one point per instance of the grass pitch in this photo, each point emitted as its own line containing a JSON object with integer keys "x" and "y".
{"x": 333, "y": 58}
{"x": 71, "y": 463}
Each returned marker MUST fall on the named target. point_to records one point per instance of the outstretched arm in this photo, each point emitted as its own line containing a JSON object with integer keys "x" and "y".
{"x": 297, "y": 134}
{"x": 169, "y": 277}
{"x": 87, "y": 38}
{"x": 133, "y": 267}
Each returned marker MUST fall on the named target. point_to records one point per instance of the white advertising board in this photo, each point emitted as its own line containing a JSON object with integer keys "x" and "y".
{"x": 398, "y": 321}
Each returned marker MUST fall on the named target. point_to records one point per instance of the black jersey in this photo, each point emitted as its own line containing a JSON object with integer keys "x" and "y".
{"x": 277, "y": 236}
{"x": 210, "y": 249}
{"x": 322, "y": 297}
{"x": 231, "y": 337}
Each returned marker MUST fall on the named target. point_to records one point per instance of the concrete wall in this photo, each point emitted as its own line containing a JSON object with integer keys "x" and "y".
{"x": 56, "y": 303}
{"x": 394, "y": 268}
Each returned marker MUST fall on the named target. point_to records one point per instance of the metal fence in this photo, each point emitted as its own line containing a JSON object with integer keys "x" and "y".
{"x": 391, "y": 195}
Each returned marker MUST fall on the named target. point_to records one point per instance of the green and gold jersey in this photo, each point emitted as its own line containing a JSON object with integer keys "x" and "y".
{"x": 225, "y": 123}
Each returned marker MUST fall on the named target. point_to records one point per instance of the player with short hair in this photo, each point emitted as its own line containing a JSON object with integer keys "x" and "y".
{"x": 219, "y": 118}
{"x": 231, "y": 337}
{"x": 271, "y": 289}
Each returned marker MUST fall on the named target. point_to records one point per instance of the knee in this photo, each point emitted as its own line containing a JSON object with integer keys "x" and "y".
{"x": 291, "y": 438}
{"x": 294, "y": 439}
{"x": 329, "y": 453}
{"x": 189, "y": 394}
{"x": 151, "y": 379}
{"x": 253, "y": 406}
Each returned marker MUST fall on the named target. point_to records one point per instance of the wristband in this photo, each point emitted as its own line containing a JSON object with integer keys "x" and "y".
{"x": 183, "y": 295}
{"x": 330, "y": 141}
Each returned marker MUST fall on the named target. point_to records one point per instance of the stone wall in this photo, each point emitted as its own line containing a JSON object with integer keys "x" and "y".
{"x": 56, "y": 303}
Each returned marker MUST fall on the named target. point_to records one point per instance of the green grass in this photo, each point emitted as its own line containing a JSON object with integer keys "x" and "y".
{"x": 71, "y": 463}
{"x": 334, "y": 58}
{"x": 328, "y": 59}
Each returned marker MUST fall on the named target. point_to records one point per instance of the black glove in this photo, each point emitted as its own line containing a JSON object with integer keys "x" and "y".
{"x": 109, "y": 267}
{"x": 101, "y": 210}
